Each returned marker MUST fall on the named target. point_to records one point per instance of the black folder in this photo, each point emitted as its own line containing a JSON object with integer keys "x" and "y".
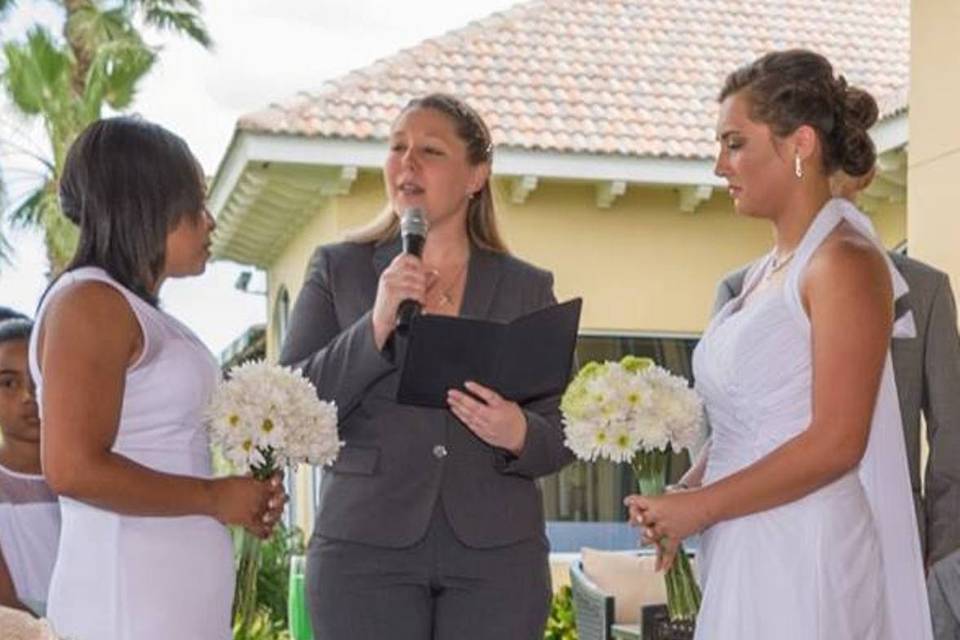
{"x": 528, "y": 358}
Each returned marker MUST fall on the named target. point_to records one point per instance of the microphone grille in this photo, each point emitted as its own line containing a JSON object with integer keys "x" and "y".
{"x": 413, "y": 222}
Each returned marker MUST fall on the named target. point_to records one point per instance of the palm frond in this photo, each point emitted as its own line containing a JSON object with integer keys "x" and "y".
{"x": 41, "y": 208}
{"x": 60, "y": 236}
{"x": 65, "y": 84}
{"x": 170, "y": 5}
{"x": 115, "y": 73}
{"x": 37, "y": 73}
{"x": 92, "y": 26}
{"x": 188, "y": 23}
{"x": 29, "y": 211}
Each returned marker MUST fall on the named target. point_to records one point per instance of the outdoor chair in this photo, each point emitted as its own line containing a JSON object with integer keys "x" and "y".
{"x": 593, "y": 609}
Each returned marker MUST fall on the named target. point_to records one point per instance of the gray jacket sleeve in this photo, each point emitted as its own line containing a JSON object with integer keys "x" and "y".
{"x": 727, "y": 289}
{"x": 543, "y": 450}
{"x": 941, "y": 408}
{"x": 341, "y": 362}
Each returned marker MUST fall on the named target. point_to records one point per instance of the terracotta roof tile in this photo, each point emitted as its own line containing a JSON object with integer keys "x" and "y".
{"x": 632, "y": 77}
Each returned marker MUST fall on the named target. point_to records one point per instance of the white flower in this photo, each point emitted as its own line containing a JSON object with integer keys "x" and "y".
{"x": 270, "y": 411}
{"x": 613, "y": 410}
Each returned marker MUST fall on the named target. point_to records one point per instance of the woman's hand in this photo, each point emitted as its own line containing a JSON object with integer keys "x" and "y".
{"x": 498, "y": 422}
{"x": 255, "y": 505}
{"x": 667, "y": 520}
{"x": 404, "y": 279}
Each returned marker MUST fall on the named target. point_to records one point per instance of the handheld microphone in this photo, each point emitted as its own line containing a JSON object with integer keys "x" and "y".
{"x": 413, "y": 231}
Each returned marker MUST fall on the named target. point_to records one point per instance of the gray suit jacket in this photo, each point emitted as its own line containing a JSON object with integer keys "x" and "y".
{"x": 927, "y": 372}
{"x": 383, "y": 487}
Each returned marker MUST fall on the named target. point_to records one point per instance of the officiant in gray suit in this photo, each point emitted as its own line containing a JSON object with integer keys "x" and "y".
{"x": 927, "y": 371}
{"x": 430, "y": 523}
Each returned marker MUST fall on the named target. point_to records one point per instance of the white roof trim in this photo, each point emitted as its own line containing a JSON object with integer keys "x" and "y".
{"x": 891, "y": 133}
{"x": 251, "y": 147}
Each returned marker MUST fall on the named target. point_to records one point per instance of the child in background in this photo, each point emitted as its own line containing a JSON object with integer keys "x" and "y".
{"x": 29, "y": 512}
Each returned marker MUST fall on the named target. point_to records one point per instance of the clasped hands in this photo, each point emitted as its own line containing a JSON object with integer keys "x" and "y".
{"x": 493, "y": 419}
{"x": 666, "y": 520}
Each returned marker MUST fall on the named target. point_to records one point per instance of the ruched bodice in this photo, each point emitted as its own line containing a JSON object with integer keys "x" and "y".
{"x": 752, "y": 407}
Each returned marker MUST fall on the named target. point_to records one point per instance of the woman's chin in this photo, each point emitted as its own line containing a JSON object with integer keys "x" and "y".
{"x": 744, "y": 209}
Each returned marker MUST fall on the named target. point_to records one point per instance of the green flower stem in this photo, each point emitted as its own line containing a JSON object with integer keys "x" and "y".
{"x": 245, "y": 598}
{"x": 268, "y": 467}
{"x": 683, "y": 593}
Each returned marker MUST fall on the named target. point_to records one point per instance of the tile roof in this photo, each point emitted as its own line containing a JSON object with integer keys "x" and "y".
{"x": 619, "y": 77}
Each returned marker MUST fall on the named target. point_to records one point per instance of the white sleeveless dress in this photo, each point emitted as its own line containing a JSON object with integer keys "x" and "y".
{"x": 120, "y": 577}
{"x": 844, "y": 562}
{"x": 29, "y": 534}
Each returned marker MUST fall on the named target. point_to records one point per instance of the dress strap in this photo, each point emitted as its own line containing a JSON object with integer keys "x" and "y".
{"x": 883, "y": 469}
{"x": 834, "y": 212}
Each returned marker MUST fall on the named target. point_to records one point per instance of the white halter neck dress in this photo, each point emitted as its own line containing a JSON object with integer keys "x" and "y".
{"x": 844, "y": 562}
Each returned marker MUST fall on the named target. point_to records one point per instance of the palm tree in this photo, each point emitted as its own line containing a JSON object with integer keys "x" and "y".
{"x": 66, "y": 82}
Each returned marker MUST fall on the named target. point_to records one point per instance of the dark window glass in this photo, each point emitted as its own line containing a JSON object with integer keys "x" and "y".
{"x": 583, "y": 504}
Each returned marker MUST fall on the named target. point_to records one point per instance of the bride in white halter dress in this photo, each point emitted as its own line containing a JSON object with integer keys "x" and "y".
{"x": 843, "y": 562}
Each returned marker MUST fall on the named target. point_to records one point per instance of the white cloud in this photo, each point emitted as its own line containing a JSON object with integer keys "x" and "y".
{"x": 265, "y": 51}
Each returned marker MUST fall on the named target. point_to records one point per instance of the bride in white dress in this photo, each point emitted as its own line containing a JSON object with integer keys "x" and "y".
{"x": 809, "y": 530}
{"x": 144, "y": 553}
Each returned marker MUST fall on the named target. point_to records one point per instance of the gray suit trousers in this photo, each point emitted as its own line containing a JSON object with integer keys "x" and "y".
{"x": 436, "y": 589}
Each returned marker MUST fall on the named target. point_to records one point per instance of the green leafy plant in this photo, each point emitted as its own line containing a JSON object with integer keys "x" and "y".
{"x": 273, "y": 579}
{"x": 562, "y": 624}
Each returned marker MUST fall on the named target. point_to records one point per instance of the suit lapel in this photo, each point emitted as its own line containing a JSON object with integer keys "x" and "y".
{"x": 384, "y": 254}
{"x": 483, "y": 275}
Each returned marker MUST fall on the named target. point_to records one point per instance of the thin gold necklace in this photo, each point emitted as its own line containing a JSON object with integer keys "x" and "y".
{"x": 446, "y": 293}
{"x": 778, "y": 263}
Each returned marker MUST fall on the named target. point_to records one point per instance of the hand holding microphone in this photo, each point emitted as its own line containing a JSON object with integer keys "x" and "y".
{"x": 402, "y": 288}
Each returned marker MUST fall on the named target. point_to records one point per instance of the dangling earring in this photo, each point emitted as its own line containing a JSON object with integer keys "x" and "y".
{"x": 797, "y": 165}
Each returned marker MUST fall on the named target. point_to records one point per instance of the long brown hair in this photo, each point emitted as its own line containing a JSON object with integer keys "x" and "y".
{"x": 481, "y": 214}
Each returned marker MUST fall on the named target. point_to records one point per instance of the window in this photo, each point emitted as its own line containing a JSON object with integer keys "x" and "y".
{"x": 583, "y": 504}
{"x": 281, "y": 316}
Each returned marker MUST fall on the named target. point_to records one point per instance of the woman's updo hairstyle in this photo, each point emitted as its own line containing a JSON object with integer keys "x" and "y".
{"x": 787, "y": 89}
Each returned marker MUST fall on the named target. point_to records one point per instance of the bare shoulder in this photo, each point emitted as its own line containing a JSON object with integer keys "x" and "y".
{"x": 92, "y": 314}
{"x": 847, "y": 260}
{"x": 89, "y": 301}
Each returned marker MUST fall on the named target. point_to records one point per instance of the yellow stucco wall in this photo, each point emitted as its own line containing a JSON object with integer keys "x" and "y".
{"x": 641, "y": 265}
{"x": 331, "y": 219}
{"x": 934, "y": 165}
{"x": 890, "y": 220}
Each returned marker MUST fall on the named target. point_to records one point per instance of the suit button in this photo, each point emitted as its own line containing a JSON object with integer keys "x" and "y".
{"x": 439, "y": 452}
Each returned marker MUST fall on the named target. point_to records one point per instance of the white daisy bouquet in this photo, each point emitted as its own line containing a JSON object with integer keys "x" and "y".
{"x": 265, "y": 417}
{"x": 637, "y": 412}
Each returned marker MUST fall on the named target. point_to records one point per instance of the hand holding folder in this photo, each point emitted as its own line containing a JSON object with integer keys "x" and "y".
{"x": 528, "y": 358}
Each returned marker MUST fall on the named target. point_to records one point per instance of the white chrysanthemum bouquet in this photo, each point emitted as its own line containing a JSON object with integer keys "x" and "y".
{"x": 635, "y": 411}
{"x": 266, "y": 416}
{"x": 263, "y": 418}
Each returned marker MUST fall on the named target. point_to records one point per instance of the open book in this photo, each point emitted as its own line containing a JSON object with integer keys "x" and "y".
{"x": 528, "y": 358}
